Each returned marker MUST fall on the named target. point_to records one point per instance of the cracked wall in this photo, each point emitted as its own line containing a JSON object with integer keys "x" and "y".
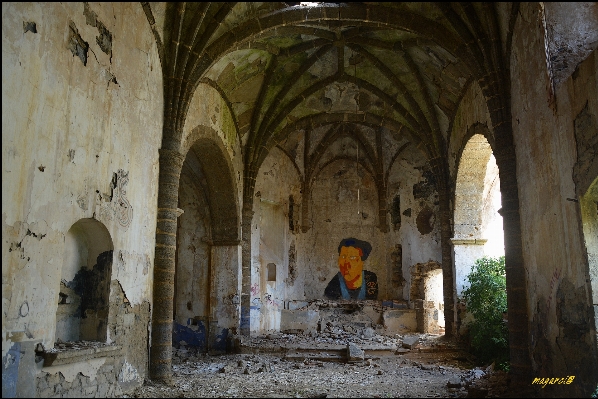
{"x": 82, "y": 122}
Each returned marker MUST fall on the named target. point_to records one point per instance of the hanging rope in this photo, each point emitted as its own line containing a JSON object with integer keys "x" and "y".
{"x": 357, "y": 171}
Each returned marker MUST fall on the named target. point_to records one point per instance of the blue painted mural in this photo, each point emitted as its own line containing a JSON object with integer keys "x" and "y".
{"x": 10, "y": 371}
{"x": 194, "y": 335}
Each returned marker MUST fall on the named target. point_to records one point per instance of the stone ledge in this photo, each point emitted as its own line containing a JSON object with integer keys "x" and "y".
{"x": 469, "y": 241}
{"x": 68, "y": 356}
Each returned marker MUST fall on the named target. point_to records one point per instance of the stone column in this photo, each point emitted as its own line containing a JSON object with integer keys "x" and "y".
{"x": 247, "y": 218}
{"x": 498, "y": 100}
{"x": 171, "y": 163}
{"x": 517, "y": 301}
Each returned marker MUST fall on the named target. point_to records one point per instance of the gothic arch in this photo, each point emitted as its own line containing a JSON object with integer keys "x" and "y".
{"x": 477, "y": 199}
{"x": 203, "y": 142}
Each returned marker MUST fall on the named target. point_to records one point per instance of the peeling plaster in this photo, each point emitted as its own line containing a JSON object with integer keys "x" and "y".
{"x": 88, "y": 368}
{"x": 127, "y": 373}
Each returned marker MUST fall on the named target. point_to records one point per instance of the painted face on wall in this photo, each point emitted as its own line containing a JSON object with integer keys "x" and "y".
{"x": 351, "y": 266}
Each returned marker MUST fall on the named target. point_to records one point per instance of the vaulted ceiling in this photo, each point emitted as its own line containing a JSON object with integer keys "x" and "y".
{"x": 389, "y": 76}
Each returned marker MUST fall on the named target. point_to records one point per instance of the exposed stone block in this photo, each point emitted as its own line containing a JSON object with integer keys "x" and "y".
{"x": 410, "y": 342}
{"x": 293, "y": 305}
{"x": 354, "y": 353}
{"x": 399, "y": 320}
{"x": 305, "y": 320}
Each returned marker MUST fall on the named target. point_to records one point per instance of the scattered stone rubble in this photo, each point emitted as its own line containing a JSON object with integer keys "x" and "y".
{"x": 301, "y": 366}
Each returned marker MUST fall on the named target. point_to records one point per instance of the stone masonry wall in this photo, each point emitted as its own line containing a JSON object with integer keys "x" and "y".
{"x": 559, "y": 290}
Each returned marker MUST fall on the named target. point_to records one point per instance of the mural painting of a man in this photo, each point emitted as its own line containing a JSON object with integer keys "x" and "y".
{"x": 352, "y": 281}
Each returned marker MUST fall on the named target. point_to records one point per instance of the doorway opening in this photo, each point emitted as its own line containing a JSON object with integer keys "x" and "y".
{"x": 478, "y": 224}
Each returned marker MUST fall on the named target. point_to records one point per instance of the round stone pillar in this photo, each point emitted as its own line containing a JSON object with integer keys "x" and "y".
{"x": 171, "y": 163}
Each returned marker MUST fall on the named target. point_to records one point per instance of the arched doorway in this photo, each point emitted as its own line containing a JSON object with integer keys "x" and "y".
{"x": 207, "y": 273}
{"x": 478, "y": 224}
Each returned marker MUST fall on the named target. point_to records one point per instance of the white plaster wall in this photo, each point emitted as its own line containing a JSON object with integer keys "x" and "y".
{"x": 80, "y": 127}
{"x": 272, "y": 251}
{"x": 465, "y": 257}
{"x": 225, "y": 294}
{"x": 272, "y": 238}
{"x": 433, "y": 291}
{"x": 546, "y": 153}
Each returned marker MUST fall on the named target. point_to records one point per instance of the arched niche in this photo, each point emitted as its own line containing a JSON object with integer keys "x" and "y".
{"x": 83, "y": 299}
{"x": 478, "y": 229}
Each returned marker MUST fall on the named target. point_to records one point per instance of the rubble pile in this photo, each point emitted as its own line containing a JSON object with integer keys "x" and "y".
{"x": 419, "y": 365}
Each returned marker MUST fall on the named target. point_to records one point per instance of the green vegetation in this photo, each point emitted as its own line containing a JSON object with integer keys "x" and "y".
{"x": 486, "y": 300}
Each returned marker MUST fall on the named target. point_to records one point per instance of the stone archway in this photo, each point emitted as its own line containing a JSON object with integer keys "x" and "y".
{"x": 208, "y": 166}
{"x": 478, "y": 226}
{"x": 207, "y": 236}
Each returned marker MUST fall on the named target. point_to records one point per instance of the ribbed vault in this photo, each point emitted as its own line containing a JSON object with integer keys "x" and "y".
{"x": 400, "y": 64}
{"x": 384, "y": 76}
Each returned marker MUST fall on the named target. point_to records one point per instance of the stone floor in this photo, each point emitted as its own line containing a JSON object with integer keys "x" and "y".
{"x": 318, "y": 366}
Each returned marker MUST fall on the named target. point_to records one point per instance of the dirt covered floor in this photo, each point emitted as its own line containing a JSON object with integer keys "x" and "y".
{"x": 297, "y": 366}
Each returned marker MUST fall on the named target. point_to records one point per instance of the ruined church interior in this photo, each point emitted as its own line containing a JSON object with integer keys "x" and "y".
{"x": 191, "y": 176}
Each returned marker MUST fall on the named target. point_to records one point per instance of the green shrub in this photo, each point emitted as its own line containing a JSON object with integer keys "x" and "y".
{"x": 486, "y": 300}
